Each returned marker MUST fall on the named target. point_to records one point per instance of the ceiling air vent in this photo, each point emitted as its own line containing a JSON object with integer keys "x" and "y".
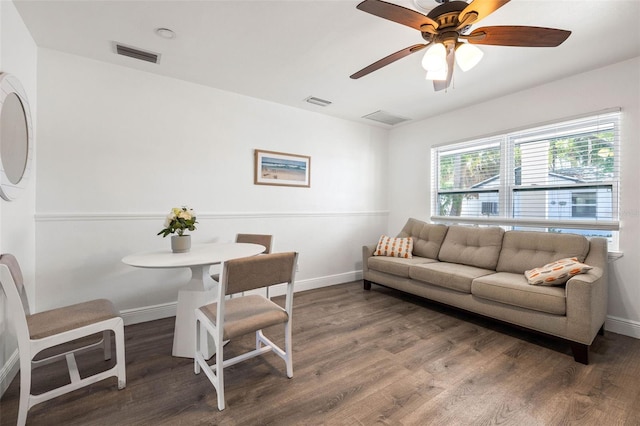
{"x": 317, "y": 101}
{"x": 386, "y": 118}
{"x": 135, "y": 53}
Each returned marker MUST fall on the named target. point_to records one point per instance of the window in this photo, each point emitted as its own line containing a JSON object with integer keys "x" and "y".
{"x": 562, "y": 177}
{"x": 583, "y": 204}
{"x": 489, "y": 208}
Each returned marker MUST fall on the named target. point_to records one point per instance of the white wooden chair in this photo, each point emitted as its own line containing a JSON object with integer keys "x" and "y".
{"x": 265, "y": 240}
{"x": 43, "y": 330}
{"x": 262, "y": 239}
{"x": 230, "y": 318}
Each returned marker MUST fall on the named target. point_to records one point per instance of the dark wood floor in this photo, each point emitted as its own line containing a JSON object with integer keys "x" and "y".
{"x": 361, "y": 358}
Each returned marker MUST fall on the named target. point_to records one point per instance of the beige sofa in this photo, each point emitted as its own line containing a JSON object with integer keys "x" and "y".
{"x": 481, "y": 270}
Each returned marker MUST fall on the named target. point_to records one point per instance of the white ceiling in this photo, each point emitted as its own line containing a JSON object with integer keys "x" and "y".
{"x": 284, "y": 51}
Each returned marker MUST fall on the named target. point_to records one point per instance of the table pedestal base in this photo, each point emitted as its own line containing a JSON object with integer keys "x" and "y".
{"x": 198, "y": 292}
{"x": 184, "y": 341}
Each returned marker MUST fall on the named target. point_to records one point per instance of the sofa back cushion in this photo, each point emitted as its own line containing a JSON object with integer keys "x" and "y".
{"x": 472, "y": 246}
{"x": 427, "y": 237}
{"x": 523, "y": 250}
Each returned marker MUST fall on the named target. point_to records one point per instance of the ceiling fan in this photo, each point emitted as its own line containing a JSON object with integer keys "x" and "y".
{"x": 446, "y": 30}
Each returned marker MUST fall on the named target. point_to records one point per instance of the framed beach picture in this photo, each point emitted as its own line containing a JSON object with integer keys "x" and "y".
{"x": 278, "y": 168}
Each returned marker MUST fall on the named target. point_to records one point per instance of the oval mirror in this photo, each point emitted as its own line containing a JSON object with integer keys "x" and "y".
{"x": 16, "y": 141}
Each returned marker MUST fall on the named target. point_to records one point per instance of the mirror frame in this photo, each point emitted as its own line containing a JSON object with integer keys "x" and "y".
{"x": 10, "y": 84}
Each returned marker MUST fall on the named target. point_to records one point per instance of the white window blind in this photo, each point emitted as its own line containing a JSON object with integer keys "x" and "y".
{"x": 561, "y": 177}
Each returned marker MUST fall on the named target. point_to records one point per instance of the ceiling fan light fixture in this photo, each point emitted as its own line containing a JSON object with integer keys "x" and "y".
{"x": 436, "y": 58}
{"x": 468, "y": 56}
{"x": 440, "y": 74}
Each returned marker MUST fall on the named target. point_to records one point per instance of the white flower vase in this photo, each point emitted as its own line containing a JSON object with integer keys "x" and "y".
{"x": 180, "y": 243}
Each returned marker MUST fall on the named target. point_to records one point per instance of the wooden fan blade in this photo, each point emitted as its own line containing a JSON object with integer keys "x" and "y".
{"x": 481, "y": 9}
{"x": 439, "y": 85}
{"x": 388, "y": 59}
{"x": 396, "y": 13}
{"x": 518, "y": 36}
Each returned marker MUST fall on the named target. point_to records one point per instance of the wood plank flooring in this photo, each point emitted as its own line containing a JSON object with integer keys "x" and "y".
{"x": 361, "y": 358}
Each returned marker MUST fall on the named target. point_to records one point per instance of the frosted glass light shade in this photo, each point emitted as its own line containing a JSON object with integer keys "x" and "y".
{"x": 468, "y": 56}
{"x": 436, "y": 58}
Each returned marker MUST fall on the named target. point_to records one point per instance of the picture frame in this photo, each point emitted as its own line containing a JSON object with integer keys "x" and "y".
{"x": 281, "y": 169}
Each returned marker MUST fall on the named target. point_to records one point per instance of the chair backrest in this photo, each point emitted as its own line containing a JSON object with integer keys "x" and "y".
{"x": 253, "y": 272}
{"x": 262, "y": 239}
{"x": 17, "y": 314}
{"x": 16, "y": 273}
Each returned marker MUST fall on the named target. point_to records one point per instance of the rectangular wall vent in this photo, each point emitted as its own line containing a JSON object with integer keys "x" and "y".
{"x": 135, "y": 53}
{"x": 386, "y": 118}
{"x": 317, "y": 101}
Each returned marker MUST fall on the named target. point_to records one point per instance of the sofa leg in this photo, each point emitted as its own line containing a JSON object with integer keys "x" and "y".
{"x": 580, "y": 352}
{"x": 367, "y": 284}
{"x": 601, "y": 331}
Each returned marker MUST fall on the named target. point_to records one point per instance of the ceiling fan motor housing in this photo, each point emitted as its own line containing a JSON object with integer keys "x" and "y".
{"x": 452, "y": 7}
{"x": 446, "y": 15}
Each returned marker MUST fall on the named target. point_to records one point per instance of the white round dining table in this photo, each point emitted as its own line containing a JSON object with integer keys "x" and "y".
{"x": 200, "y": 290}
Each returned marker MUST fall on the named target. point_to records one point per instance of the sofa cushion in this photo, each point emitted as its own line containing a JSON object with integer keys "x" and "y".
{"x": 395, "y": 265}
{"x": 449, "y": 275}
{"x": 514, "y": 289}
{"x": 394, "y": 247}
{"x": 556, "y": 273}
{"x": 472, "y": 246}
{"x": 427, "y": 237}
{"x": 523, "y": 250}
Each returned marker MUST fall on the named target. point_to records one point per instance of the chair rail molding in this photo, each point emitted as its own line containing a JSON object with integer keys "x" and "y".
{"x": 105, "y": 216}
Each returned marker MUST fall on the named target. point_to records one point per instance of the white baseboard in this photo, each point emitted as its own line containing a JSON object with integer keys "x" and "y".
{"x": 622, "y": 326}
{"x": 310, "y": 284}
{"x": 155, "y": 312}
{"x": 9, "y": 370}
{"x": 148, "y": 313}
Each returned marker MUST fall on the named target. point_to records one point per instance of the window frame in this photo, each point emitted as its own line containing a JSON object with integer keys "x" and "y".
{"x": 508, "y": 189}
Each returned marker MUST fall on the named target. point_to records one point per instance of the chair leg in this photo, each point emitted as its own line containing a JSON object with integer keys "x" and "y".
{"x": 106, "y": 344}
{"x": 25, "y": 392}
{"x": 214, "y": 373}
{"x": 287, "y": 348}
{"x": 196, "y": 364}
{"x": 120, "y": 360}
{"x": 258, "y": 342}
{"x": 220, "y": 375}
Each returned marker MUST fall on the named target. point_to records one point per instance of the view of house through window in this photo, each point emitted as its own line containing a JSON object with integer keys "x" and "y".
{"x": 562, "y": 177}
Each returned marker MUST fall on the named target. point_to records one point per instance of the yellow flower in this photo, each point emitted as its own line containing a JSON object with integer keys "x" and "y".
{"x": 179, "y": 220}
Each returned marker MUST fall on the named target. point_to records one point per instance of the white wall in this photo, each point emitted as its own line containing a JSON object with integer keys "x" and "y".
{"x": 18, "y": 56}
{"x": 119, "y": 147}
{"x": 613, "y": 86}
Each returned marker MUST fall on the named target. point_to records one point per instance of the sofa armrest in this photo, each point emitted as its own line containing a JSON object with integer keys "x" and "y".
{"x": 587, "y": 304}
{"x": 367, "y": 252}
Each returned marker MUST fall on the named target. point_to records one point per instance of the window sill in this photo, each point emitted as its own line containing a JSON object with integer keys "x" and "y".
{"x": 615, "y": 255}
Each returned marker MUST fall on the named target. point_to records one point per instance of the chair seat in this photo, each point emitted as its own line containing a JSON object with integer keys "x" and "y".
{"x": 262, "y": 312}
{"x": 56, "y": 321}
